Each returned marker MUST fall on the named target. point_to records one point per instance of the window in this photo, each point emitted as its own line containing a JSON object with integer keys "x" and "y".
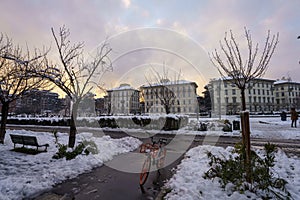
{"x": 226, "y": 92}
{"x": 226, "y": 100}
{"x": 253, "y": 91}
{"x": 233, "y": 92}
{"x": 233, "y": 99}
{"x": 258, "y": 91}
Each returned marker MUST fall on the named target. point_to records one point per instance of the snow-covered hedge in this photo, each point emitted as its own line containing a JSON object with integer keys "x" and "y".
{"x": 158, "y": 122}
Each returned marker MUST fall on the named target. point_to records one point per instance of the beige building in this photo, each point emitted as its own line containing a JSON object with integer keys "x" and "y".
{"x": 287, "y": 94}
{"x": 226, "y": 97}
{"x": 122, "y": 100}
{"x": 177, "y": 96}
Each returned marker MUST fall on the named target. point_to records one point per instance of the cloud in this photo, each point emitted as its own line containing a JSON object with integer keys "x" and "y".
{"x": 126, "y": 3}
{"x": 203, "y": 22}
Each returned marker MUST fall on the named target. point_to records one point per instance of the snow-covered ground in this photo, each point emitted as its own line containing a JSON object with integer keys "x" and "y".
{"x": 188, "y": 182}
{"x": 260, "y": 127}
{"x": 22, "y": 175}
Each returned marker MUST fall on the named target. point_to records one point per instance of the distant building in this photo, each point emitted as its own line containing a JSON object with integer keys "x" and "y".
{"x": 122, "y": 100}
{"x": 40, "y": 102}
{"x": 226, "y": 97}
{"x": 99, "y": 106}
{"x": 184, "y": 96}
{"x": 287, "y": 94}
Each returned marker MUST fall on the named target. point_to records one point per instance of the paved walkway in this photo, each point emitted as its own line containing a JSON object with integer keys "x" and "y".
{"x": 106, "y": 183}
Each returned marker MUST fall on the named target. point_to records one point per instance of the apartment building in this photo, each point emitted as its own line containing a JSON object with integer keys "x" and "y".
{"x": 287, "y": 94}
{"x": 180, "y": 95}
{"x": 226, "y": 97}
{"x": 41, "y": 102}
{"x": 122, "y": 100}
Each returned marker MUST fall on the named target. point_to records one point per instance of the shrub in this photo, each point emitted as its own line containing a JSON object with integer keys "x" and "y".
{"x": 85, "y": 148}
{"x": 264, "y": 181}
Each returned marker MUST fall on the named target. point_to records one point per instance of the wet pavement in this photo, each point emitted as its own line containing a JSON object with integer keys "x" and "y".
{"x": 108, "y": 183}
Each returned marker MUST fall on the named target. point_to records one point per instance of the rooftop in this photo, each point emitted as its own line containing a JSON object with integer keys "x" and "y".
{"x": 168, "y": 82}
{"x": 123, "y": 86}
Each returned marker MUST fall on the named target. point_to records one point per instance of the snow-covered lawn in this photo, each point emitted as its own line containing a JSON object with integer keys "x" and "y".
{"x": 260, "y": 127}
{"x": 22, "y": 175}
{"x": 188, "y": 182}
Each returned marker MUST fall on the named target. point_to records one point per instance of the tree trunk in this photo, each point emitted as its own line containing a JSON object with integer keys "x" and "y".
{"x": 246, "y": 136}
{"x": 4, "y": 112}
{"x": 73, "y": 130}
{"x": 243, "y": 99}
{"x": 247, "y": 144}
{"x": 168, "y": 109}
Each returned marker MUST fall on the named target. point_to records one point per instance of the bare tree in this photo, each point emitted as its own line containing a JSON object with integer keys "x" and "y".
{"x": 15, "y": 76}
{"x": 242, "y": 70}
{"x": 75, "y": 75}
{"x": 161, "y": 87}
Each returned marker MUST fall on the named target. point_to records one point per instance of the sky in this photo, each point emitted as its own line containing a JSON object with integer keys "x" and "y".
{"x": 148, "y": 36}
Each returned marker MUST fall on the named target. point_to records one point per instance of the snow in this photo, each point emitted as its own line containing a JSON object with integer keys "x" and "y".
{"x": 23, "y": 175}
{"x": 122, "y": 87}
{"x": 178, "y": 82}
{"x": 260, "y": 127}
{"x": 188, "y": 182}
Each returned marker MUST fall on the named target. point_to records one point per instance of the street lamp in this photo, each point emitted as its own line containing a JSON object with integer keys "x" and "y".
{"x": 298, "y": 39}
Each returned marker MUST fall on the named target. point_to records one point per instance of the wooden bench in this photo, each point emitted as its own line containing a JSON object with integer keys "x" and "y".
{"x": 27, "y": 140}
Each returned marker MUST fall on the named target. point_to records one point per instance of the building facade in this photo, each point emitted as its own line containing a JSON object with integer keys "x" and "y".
{"x": 181, "y": 96}
{"x": 39, "y": 102}
{"x": 287, "y": 94}
{"x": 226, "y": 97}
{"x": 122, "y": 100}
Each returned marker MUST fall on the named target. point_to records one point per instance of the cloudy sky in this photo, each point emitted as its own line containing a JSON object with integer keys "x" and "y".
{"x": 146, "y": 35}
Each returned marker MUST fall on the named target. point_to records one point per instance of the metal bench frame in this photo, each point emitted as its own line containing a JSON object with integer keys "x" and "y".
{"x": 27, "y": 140}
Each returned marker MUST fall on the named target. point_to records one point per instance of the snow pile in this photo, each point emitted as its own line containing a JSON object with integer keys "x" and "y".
{"x": 188, "y": 182}
{"x": 22, "y": 175}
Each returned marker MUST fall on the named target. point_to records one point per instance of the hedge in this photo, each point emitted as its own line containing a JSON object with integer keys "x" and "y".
{"x": 144, "y": 122}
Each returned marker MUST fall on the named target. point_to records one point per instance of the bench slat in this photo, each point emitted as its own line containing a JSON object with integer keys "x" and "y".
{"x": 26, "y": 140}
{"x": 29, "y": 140}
